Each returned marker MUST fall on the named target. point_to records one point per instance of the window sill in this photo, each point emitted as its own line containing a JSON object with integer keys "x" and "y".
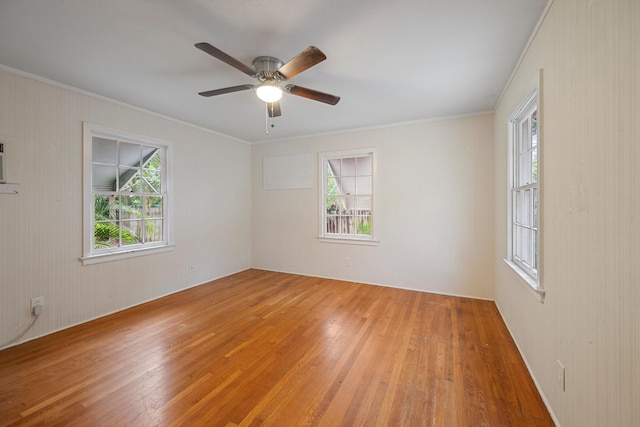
{"x": 527, "y": 281}
{"x": 97, "y": 259}
{"x": 349, "y": 241}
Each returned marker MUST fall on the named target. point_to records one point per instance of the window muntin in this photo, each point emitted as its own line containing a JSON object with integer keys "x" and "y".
{"x": 126, "y": 193}
{"x": 347, "y": 195}
{"x": 525, "y": 189}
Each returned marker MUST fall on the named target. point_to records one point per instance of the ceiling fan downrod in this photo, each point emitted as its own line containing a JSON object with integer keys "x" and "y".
{"x": 269, "y": 113}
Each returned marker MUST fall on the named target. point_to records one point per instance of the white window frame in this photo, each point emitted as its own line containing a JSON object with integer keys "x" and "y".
{"x": 324, "y": 235}
{"x": 532, "y": 278}
{"x": 92, "y": 255}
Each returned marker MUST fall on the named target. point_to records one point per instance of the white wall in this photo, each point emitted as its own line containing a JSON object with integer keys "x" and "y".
{"x": 590, "y": 320}
{"x": 435, "y": 218}
{"x": 41, "y": 227}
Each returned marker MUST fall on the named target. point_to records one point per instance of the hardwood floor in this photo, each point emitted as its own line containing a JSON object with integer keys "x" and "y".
{"x": 269, "y": 349}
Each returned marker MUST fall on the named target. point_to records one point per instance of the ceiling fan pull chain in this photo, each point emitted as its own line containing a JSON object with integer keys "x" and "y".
{"x": 266, "y": 120}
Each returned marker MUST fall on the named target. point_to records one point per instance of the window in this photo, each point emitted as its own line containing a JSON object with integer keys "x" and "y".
{"x": 525, "y": 192}
{"x": 125, "y": 197}
{"x": 347, "y": 196}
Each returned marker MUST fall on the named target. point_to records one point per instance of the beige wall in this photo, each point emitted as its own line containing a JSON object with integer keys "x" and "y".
{"x": 41, "y": 227}
{"x": 435, "y": 216}
{"x": 590, "y": 320}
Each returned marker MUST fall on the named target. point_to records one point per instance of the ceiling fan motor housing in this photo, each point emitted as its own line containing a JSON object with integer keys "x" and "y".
{"x": 266, "y": 67}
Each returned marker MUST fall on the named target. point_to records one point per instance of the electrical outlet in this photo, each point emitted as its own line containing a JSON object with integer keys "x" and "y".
{"x": 191, "y": 268}
{"x": 347, "y": 262}
{"x": 37, "y": 305}
{"x": 561, "y": 376}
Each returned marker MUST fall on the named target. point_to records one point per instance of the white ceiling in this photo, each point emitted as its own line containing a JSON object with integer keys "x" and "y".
{"x": 390, "y": 61}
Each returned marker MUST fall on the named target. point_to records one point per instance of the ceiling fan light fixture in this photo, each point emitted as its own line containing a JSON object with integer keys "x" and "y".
{"x": 269, "y": 92}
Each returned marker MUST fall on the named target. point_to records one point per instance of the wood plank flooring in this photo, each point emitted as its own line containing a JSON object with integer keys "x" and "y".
{"x": 261, "y": 348}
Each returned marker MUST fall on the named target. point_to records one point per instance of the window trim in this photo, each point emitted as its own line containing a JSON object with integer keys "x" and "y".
{"x": 90, "y": 131}
{"x": 534, "y": 96}
{"x": 324, "y": 237}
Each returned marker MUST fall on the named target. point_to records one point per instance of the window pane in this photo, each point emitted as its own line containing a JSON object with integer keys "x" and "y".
{"x": 131, "y": 232}
{"x": 332, "y": 186}
{"x": 103, "y": 178}
{"x": 348, "y": 185}
{"x": 364, "y": 165}
{"x": 151, "y": 182}
{"x": 519, "y": 207}
{"x": 526, "y": 203}
{"x": 364, "y": 225}
{"x": 333, "y": 205}
{"x": 525, "y": 169}
{"x": 525, "y": 136}
{"x": 517, "y": 246}
{"x": 362, "y": 204}
{"x": 105, "y": 234}
{"x": 332, "y": 223}
{"x": 535, "y": 250}
{"x": 103, "y": 150}
{"x": 534, "y": 164}
{"x": 129, "y": 154}
{"x": 363, "y": 185}
{"x": 151, "y": 157}
{"x": 348, "y": 167}
{"x": 344, "y": 224}
{"x": 105, "y": 207}
{"x": 344, "y": 203}
{"x": 130, "y": 180}
{"x": 526, "y": 246}
{"x": 534, "y": 128}
{"x": 348, "y": 202}
{"x": 535, "y": 207}
{"x": 333, "y": 167}
{"x": 155, "y": 160}
{"x": 334, "y": 208}
{"x": 152, "y": 171}
{"x": 152, "y": 207}
{"x": 131, "y": 207}
{"x": 153, "y": 230}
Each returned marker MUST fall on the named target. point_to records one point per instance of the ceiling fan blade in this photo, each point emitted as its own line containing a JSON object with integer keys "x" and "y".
{"x": 225, "y": 90}
{"x": 217, "y": 53}
{"x": 273, "y": 109}
{"x": 304, "y": 60}
{"x": 312, "y": 94}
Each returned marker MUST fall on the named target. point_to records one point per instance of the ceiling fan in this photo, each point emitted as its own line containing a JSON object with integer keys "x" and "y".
{"x": 270, "y": 72}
